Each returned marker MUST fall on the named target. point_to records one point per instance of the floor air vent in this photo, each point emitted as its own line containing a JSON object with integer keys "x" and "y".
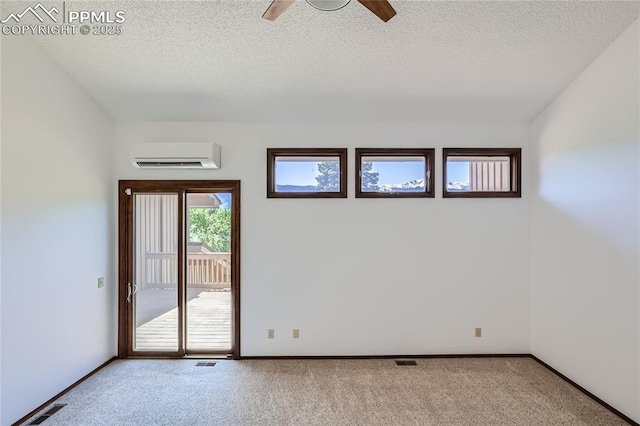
{"x": 405, "y": 362}
{"x": 47, "y": 414}
{"x": 206, "y": 364}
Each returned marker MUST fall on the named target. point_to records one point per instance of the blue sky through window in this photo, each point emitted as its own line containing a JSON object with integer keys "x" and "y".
{"x": 391, "y": 172}
{"x": 394, "y": 172}
{"x": 458, "y": 171}
{"x": 225, "y": 199}
{"x": 296, "y": 172}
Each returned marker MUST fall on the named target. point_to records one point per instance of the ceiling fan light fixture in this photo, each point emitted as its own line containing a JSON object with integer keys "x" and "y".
{"x": 328, "y": 5}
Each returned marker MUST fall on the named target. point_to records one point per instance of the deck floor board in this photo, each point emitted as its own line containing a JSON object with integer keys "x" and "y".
{"x": 208, "y": 320}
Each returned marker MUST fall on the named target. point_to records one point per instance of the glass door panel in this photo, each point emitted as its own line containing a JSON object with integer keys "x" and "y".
{"x": 154, "y": 291}
{"x": 208, "y": 270}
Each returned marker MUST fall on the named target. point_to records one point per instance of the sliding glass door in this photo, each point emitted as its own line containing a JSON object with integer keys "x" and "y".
{"x": 179, "y": 257}
{"x": 153, "y": 292}
{"x": 209, "y": 270}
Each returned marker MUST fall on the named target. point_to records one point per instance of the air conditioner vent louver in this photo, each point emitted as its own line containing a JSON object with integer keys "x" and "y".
{"x": 177, "y": 164}
{"x": 176, "y": 155}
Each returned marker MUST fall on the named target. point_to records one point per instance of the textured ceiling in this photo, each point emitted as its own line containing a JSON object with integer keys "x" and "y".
{"x": 435, "y": 60}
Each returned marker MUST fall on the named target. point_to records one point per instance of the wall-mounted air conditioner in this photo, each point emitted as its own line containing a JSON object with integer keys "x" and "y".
{"x": 176, "y": 155}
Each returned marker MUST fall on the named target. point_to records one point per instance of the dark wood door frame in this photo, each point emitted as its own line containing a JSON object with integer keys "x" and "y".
{"x": 125, "y": 255}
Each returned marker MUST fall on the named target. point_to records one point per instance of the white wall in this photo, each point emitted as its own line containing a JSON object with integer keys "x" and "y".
{"x": 56, "y": 214}
{"x": 366, "y": 276}
{"x": 585, "y": 229}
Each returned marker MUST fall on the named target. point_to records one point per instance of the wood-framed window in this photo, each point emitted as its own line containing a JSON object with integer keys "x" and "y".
{"x": 481, "y": 172}
{"x": 394, "y": 172}
{"x": 306, "y": 173}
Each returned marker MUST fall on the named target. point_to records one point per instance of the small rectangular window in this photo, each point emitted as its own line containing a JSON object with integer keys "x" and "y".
{"x": 394, "y": 173}
{"x": 306, "y": 173}
{"x": 481, "y": 172}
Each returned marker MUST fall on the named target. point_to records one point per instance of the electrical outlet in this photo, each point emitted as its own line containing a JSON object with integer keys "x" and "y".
{"x": 478, "y": 332}
{"x": 271, "y": 334}
{"x": 296, "y": 333}
{"x": 100, "y": 282}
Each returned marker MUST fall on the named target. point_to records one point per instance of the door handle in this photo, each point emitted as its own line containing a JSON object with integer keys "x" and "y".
{"x": 131, "y": 290}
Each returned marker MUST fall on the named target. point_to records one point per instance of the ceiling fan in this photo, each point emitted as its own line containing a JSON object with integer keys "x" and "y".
{"x": 381, "y": 8}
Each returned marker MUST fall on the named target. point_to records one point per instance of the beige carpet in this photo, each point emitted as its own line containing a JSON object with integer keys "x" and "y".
{"x": 466, "y": 391}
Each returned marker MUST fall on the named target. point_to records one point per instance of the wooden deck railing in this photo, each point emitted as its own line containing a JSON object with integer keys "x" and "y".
{"x": 204, "y": 270}
{"x": 209, "y": 269}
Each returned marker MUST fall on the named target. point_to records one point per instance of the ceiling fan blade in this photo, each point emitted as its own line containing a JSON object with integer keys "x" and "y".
{"x": 276, "y": 8}
{"x": 381, "y": 8}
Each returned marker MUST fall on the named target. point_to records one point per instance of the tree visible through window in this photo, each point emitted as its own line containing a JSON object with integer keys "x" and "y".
{"x": 328, "y": 176}
{"x": 211, "y": 226}
{"x": 369, "y": 177}
{"x": 306, "y": 173}
{"x": 394, "y": 172}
